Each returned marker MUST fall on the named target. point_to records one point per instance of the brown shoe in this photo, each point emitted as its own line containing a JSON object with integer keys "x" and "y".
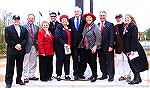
{"x": 128, "y": 78}
{"x": 121, "y": 78}
{"x": 34, "y": 78}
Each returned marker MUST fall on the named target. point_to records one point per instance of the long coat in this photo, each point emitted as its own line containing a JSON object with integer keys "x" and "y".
{"x": 45, "y": 43}
{"x": 61, "y": 38}
{"x": 131, "y": 43}
{"x": 12, "y": 39}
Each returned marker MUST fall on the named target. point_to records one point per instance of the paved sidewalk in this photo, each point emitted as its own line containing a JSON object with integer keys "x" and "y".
{"x": 75, "y": 84}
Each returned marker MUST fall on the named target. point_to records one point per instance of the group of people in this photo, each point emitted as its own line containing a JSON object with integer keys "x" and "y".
{"x": 78, "y": 37}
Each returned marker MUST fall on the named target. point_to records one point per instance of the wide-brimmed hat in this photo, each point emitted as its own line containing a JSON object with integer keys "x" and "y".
{"x": 63, "y": 16}
{"x": 89, "y": 14}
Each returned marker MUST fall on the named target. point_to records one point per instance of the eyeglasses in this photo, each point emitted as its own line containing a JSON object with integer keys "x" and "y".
{"x": 52, "y": 16}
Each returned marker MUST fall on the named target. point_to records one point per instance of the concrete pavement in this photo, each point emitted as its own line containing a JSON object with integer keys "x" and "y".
{"x": 75, "y": 84}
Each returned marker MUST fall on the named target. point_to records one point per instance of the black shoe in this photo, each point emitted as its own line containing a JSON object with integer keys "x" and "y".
{"x": 58, "y": 78}
{"x": 67, "y": 78}
{"x": 90, "y": 78}
{"x": 34, "y": 78}
{"x": 20, "y": 82}
{"x": 8, "y": 86}
{"x": 26, "y": 80}
{"x": 93, "y": 79}
{"x": 110, "y": 79}
{"x": 49, "y": 79}
{"x": 44, "y": 80}
{"x": 102, "y": 78}
{"x": 76, "y": 77}
{"x": 81, "y": 77}
{"x": 135, "y": 81}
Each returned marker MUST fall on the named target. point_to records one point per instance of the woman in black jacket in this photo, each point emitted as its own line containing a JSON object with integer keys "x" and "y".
{"x": 131, "y": 45}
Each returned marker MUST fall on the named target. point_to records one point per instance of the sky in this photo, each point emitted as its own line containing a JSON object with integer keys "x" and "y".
{"x": 139, "y": 9}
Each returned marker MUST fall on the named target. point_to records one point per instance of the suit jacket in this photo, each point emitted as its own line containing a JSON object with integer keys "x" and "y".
{"x": 30, "y": 37}
{"x": 131, "y": 43}
{"x": 76, "y": 34}
{"x": 61, "y": 38}
{"x": 45, "y": 43}
{"x": 12, "y": 39}
{"x": 92, "y": 36}
{"x": 52, "y": 27}
{"x": 108, "y": 34}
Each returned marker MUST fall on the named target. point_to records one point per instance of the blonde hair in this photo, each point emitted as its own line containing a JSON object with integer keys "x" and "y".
{"x": 45, "y": 22}
{"x": 132, "y": 18}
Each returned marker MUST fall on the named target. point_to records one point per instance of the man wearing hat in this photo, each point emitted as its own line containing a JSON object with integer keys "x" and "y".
{"x": 16, "y": 38}
{"x": 121, "y": 60}
{"x": 53, "y": 22}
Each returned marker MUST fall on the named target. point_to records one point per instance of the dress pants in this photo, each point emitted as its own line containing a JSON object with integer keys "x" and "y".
{"x": 45, "y": 67}
{"x": 106, "y": 60}
{"x": 91, "y": 60}
{"x": 29, "y": 63}
{"x": 10, "y": 68}
{"x": 79, "y": 61}
{"x": 60, "y": 61}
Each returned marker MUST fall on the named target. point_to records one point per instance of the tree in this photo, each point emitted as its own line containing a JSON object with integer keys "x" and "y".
{"x": 2, "y": 42}
{"x": 147, "y": 32}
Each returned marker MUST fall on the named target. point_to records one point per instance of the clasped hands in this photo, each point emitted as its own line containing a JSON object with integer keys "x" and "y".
{"x": 18, "y": 47}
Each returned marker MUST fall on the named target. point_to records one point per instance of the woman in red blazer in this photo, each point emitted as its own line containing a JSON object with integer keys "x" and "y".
{"x": 46, "y": 52}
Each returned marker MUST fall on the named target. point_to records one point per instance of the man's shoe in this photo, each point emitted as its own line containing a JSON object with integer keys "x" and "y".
{"x": 76, "y": 77}
{"x": 110, "y": 79}
{"x": 81, "y": 77}
{"x": 26, "y": 80}
{"x": 93, "y": 79}
{"x": 8, "y": 86}
{"x": 34, "y": 78}
{"x": 67, "y": 78}
{"x": 90, "y": 78}
{"x": 20, "y": 82}
{"x": 58, "y": 78}
{"x": 102, "y": 78}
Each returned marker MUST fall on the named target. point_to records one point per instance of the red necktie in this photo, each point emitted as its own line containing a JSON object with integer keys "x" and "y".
{"x": 102, "y": 25}
{"x": 31, "y": 31}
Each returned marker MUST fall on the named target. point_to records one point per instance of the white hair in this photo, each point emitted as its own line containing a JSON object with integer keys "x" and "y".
{"x": 78, "y": 9}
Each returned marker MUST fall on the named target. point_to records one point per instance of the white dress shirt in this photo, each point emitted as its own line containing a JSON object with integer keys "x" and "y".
{"x": 18, "y": 30}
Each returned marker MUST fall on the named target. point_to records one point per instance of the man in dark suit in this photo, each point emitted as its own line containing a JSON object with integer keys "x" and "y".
{"x": 79, "y": 62}
{"x": 16, "y": 38}
{"x": 106, "y": 53}
{"x": 53, "y": 22}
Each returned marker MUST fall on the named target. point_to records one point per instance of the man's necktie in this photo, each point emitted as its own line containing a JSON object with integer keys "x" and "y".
{"x": 77, "y": 24}
{"x": 31, "y": 31}
{"x": 102, "y": 25}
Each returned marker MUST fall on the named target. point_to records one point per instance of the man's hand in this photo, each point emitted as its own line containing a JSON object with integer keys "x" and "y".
{"x": 18, "y": 47}
{"x": 110, "y": 49}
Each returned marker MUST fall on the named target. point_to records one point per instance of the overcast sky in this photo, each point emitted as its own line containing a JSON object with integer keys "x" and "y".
{"x": 138, "y": 8}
